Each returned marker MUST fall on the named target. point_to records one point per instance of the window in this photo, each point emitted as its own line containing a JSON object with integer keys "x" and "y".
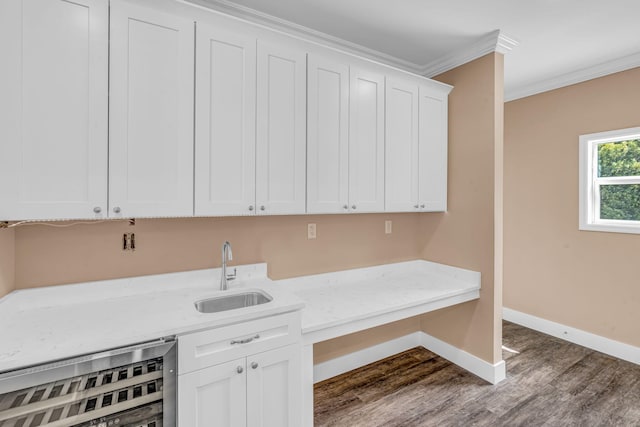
{"x": 610, "y": 181}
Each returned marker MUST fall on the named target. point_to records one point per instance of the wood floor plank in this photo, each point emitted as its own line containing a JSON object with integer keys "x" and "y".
{"x": 550, "y": 382}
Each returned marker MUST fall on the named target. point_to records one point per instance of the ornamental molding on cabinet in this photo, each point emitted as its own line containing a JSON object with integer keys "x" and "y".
{"x": 495, "y": 41}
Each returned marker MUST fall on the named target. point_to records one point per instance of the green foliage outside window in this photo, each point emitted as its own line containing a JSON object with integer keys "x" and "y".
{"x": 619, "y": 159}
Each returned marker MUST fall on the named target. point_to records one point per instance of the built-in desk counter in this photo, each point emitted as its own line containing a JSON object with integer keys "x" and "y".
{"x": 349, "y": 301}
{"x": 344, "y": 302}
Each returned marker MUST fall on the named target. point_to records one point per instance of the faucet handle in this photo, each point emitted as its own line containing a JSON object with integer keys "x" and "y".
{"x": 231, "y": 276}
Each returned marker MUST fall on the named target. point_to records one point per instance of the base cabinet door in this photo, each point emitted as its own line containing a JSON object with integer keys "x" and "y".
{"x": 214, "y": 396}
{"x": 274, "y": 388}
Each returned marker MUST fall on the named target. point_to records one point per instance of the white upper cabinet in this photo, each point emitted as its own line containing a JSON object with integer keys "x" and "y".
{"x": 366, "y": 141}
{"x": 401, "y": 189}
{"x": 127, "y": 108}
{"x": 281, "y": 125}
{"x": 345, "y": 158}
{"x": 53, "y": 109}
{"x": 151, "y": 112}
{"x": 327, "y": 136}
{"x": 225, "y": 123}
{"x": 433, "y": 149}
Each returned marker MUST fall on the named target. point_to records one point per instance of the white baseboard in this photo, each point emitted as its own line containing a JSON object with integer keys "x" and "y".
{"x": 485, "y": 370}
{"x": 577, "y": 336}
{"x": 493, "y": 373}
{"x": 359, "y": 358}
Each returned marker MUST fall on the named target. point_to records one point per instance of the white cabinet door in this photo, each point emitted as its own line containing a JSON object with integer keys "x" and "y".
{"x": 366, "y": 141}
{"x": 433, "y": 150}
{"x": 151, "y": 113}
{"x": 53, "y": 109}
{"x": 281, "y": 124}
{"x": 401, "y": 154}
{"x": 214, "y": 396}
{"x": 225, "y": 123}
{"x": 328, "y": 136}
{"x": 274, "y": 388}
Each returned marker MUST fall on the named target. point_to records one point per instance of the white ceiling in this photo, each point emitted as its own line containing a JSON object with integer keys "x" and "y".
{"x": 560, "y": 41}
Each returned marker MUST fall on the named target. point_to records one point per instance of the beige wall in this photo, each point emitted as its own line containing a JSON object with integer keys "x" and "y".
{"x": 587, "y": 280}
{"x": 48, "y": 256}
{"x": 327, "y": 350}
{"x": 7, "y": 261}
{"x": 467, "y": 235}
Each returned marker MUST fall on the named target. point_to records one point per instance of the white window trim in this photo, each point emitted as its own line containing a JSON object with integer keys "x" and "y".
{"x": 589, "y": 190}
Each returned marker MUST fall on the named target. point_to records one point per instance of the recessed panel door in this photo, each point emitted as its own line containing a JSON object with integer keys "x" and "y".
{"x": 151, "y": 113}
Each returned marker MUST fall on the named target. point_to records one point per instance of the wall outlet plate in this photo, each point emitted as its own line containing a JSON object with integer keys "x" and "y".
{"x": 388, "y": 227}
{"x": 311, "y": 231}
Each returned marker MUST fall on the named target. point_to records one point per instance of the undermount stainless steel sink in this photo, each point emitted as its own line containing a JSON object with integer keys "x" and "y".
{"x": 233, "y": 301}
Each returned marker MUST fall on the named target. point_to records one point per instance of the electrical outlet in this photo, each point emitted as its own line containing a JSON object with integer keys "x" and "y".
{"x": 311, "y": 231}
{"x": 388, "y": 227}
{"x": 129, "y": 242}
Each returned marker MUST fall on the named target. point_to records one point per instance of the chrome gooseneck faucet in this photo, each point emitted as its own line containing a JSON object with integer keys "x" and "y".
{"x": 227, "y": 254}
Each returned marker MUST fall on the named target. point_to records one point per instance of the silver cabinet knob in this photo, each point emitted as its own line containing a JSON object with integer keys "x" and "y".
{"x": 239, "y": 369}
{"x": 116, "y": 209}
{"x": 353, "y": 206}
{"x": 416, "y": 206}
{"x": 251, "y": 207}
{"x": 422, "y": 206}
{"x": 254, "y": 365}
{"x": 262, "y": 208}
{"x": 345, "y": 207}
{"x": 97, "y": 209}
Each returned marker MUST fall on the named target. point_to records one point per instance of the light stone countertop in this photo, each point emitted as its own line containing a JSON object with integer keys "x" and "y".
{"x": 348, "y": 301}
{"x": 45, "y": 324}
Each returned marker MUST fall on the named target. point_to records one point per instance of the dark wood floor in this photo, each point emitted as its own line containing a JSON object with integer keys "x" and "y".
{"x": 549, "y": 383}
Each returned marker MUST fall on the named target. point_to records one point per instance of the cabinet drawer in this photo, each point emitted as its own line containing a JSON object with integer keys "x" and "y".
{"x": 207, "y": 348}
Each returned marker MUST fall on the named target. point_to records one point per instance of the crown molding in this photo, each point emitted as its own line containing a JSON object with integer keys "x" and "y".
{"x": 574, "y": 77}
{"x": 495, "y": 41}
{"x": 292, "y": 29}
{"x": 505, "y": 43}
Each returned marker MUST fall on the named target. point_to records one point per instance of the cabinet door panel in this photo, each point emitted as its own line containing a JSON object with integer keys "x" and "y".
{"x": 328, "y": 134}
{"x": 401, "y": 154}
{"x": 214, "y": 397}
{"x": 53, "y": 108}
{"x": 433, "y": 151}
{"x": 274, "y": 388}
{"x": 281, "y": 142}
{"x": 225, "y": 123}
{"x": 151, "y": 113}
{"x": 366, "y": 141}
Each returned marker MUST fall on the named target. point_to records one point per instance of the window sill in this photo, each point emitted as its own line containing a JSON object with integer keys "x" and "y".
{"x": 613, "y": 227}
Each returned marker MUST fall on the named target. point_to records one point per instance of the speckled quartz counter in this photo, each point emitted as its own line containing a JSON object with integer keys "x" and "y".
{"x": 45, "y": 324}
{"x": 348, "y": 301}
{"x": 41, "y": 325}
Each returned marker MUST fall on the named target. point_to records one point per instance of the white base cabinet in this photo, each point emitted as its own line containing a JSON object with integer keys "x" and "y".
{"x": 215, "y": 396}
{"x": 247, "y": 374}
